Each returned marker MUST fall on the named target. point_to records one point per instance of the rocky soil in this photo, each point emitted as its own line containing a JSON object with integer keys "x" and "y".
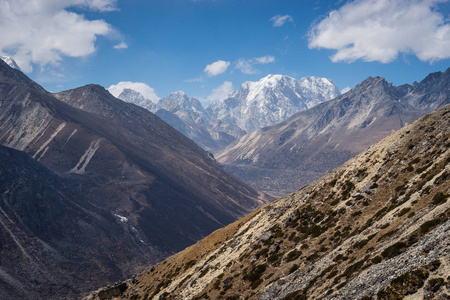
{"x": 375, "y": 228}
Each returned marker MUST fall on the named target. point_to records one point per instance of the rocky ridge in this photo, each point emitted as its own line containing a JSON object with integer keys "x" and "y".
{"x": 375, "y": 228}
{"x": 315, "y": 141}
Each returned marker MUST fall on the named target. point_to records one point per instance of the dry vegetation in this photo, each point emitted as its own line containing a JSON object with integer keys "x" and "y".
{"x": 377, "y": 214}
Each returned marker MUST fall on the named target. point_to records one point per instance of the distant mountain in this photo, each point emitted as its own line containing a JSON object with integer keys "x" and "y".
{"x": 126, "y": 159}
{"x": 132, "y": 96}
{"x": 11, "y": 62}
{"x": 317, "y": 140}
{"x": 53, "y": 239}
{"x": 375, "y": 228}
{"x": 255, "y": 105}
{"x": 271, "y": 100}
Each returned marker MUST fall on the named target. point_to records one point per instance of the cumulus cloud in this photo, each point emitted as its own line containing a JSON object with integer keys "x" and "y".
{"x": 221, "y": 91}
{"x": 121, "y": 45}
{"x": 216, "y": 68}
{"x": 345, "y": 90}
{"x": 144, "y": 89}
{"x": 246, "y": 66}
{"x": 280, "y": 20}
{"x": 43, "y": 31}
{"x": 378, "y": 30}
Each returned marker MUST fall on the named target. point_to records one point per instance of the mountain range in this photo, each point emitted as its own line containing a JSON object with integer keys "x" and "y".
{"x": 313, "y": 142}
{"x": 374, "y": 228}
{"x": 121, "y": 163}
{"x": 255, "y": 105}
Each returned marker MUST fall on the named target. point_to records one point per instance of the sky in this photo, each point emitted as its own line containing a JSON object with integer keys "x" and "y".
{"x": 207, "y": 48}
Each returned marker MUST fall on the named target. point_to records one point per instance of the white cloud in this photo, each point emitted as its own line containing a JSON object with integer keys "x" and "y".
{"x": 246, "y": 66}
{"x": 196, "y": 79}
{"x": 280, "y": 20}
{"x": 378, "y": 30}
{"x": 144, "y": 89}
{"x": 221, "y": 91}
{"x": 121, "y": 45}
{"x": 216, "y": 68}
{"x": 345, "y": 90}
{"x": 43, "y": 31}
{"x": 265, "y": 59}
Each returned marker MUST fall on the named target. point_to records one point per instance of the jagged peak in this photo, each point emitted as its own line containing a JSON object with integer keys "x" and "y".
{"x": 10, "y": 62}
{"x": 371, "y": 82}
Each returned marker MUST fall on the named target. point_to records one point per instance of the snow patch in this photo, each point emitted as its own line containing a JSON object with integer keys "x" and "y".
{"x": 121, "y": 218}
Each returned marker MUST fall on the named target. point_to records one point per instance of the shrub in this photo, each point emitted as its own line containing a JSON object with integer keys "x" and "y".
{"x": 394, "y": 250}
{"x": 255, "y": 273}
{"x": 204, "y": 272}
{"x": 293, "y": 268}
{"x": 377, "y": 259}
{"x": 434, "y": 284}
{"x": 353, "y": 268}
{"x": 334, "y": 202}
{"x": 189, "y": 264}
{"x": 428, "y": 225}
{"x": 404, "y": 211}
{"x": 294, "y": 254}
{"x": 440, "y": 198}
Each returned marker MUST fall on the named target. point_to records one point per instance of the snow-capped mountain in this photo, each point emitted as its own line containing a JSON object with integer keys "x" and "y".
{"x": 187, "y": 115}
{"x": 132, "y": 96}
{"x": 271, "y": 100}
{"x": 11, "y": 62}
{"x": 187, "y": 108}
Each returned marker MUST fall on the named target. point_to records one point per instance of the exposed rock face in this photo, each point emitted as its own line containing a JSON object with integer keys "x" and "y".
{"x": 317, "y": 140}
{"x": 157, "y": 181}
{"x": 54, "y": 242}
{"x": 375, "y": 228}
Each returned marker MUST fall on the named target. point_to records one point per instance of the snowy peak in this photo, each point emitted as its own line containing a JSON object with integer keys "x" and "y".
{"x": 132, "y": 96}
{"x": 272, "y": 99}
{"x": 10, "y": 62}
{"x": 179, "y": 101}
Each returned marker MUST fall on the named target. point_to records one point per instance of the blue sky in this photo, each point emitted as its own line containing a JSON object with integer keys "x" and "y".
{"x": 208, "y": 47}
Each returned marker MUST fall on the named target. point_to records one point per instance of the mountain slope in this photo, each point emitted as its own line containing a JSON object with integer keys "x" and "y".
{"x": 53, "y": 239}
{"x": 315, "y": 141}
{"x": 179, "y": 192}
{"x": 130, "y": 161}
{"x": 375, "y": 228}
